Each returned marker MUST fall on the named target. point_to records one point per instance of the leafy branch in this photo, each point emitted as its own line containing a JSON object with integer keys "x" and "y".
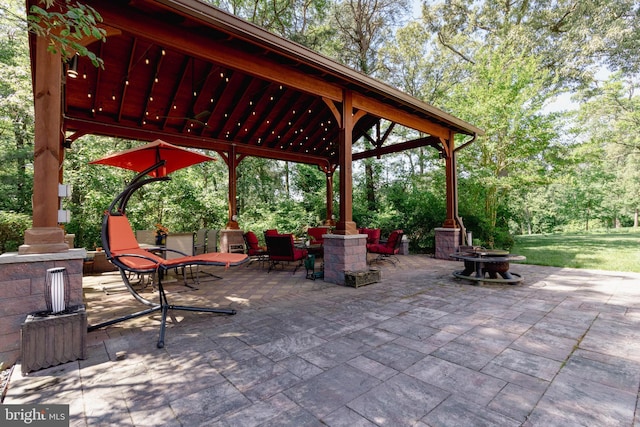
{"x": 66, "y": 25}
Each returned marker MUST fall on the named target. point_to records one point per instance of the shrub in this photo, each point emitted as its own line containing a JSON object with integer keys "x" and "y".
{"x": 12, "y": 228}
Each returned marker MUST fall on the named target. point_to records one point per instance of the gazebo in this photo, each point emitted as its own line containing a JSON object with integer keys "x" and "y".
{"x": 195, "y": 76}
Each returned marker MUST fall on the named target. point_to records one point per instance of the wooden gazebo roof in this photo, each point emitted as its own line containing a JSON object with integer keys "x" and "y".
{"x": 193, "y": 75}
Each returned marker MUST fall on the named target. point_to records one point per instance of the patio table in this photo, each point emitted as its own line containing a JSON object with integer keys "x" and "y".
{"x": 478, "y": 263}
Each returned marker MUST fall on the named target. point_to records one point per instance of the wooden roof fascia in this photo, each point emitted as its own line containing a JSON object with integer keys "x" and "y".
{"x": 252, "y": 33}
{"x": 394, "y": 148}
{"x": 82, "y": 126}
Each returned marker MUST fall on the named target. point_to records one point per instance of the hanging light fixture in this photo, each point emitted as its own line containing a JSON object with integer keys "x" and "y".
{"x": 56, "y": 290}
{"x": 72, "y": 70}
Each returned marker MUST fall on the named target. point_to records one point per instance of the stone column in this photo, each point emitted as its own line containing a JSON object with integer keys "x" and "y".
{"x": 229, "y": 238}
{"x": 447, "y": 242}
{"x": 343, "y": 253}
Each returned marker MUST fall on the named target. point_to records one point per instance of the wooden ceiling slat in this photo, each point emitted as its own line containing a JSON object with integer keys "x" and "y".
{"x": 125, "y": 84}
{"x": 242, "y": 109}
{"x": 214, "y": 123}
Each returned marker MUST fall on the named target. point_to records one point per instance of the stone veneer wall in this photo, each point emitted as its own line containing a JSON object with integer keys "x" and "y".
{"x": 447, "y": 242}
{"x": 343, "y": 253}
{"x": 22, "y": 292}
{"x": 230, "y": 237}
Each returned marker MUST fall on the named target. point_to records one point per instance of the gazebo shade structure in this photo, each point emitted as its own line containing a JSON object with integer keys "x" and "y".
{"x": 195, "y": 76}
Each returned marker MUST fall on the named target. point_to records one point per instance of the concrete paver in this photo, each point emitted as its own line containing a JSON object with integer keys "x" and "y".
{"x": 419, "y": 348}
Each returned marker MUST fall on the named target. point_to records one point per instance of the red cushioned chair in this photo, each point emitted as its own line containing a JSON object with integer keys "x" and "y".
{"x": 373, "y": 235}
{"x": 315, "y": 234}
{"x": 254, "y": 250}
{"x": 282, "y": 249}
{"x": 387, "y": 251}
{"x": 271, "y": 232}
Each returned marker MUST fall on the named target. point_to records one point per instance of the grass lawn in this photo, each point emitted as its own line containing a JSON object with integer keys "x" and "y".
{"x": 614, "y": 251}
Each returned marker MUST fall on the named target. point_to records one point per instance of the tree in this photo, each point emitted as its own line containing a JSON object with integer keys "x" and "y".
{"x": 16, "y": 112}
{"x": 67, "y": 26}
{"x": 504, "y": 96}
{"x": 608, "y": 118}
{"x": 297, "y": 20}
{"x": 361, "y": 29}
{"x": 573, "y": 39}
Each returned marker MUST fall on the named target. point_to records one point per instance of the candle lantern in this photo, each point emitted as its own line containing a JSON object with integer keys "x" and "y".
{"x": 56, "y": 292}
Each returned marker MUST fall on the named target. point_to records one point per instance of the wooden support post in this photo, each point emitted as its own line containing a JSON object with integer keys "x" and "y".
{"x": 346, "y": 225}
{"x": 45, "y": 236}
{"x": 329, "y": 218}
{"x": 451, "y": 183}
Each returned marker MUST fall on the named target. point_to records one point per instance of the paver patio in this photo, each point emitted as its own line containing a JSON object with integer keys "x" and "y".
{"x": 419, "y": 348}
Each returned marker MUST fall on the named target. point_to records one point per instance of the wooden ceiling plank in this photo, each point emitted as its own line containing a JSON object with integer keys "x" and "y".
{"x": 279, "y": 107}
{"x": 97, "y": 95}
{"x": 259, "y": 112}
{"x": 296, "y": 127}
{"x": 125, "y": 84}
{"x": 152, "y": 82}
{"x": 197, "y": 93}
{"x": 176, "y": 90}
{"x": 223, "y": 76}
{"x": 243, "y": 108}
{"x": 224, "y": 109}
{"x": 314, "y": 132}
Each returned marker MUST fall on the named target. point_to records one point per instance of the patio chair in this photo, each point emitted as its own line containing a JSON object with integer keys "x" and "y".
{"x": 282, "y": 249}
{"x": 373, "y": 235}
{"x": 387, "y": 251}
{"x": 254, "y": 250}
{"x": 212, "y": 240}
{"x": 315, "y": 234}
{"x": 200, "y": 242}
{"x": 271, "y": 232}
{"x": 123, "y": 251}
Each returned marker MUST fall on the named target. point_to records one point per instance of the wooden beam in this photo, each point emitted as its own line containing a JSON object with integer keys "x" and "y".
{"x": 194, "y": 141}
{"x": 395, "y": 148}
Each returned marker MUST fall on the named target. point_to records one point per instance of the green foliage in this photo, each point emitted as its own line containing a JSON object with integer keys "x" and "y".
{"x": 66, "y": 27}
{"x": 16, "y": 115}
{"x": 12, "y": 228}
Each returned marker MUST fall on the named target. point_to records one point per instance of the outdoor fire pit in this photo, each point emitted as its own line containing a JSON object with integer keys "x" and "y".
{"x": 487, "y": 265}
